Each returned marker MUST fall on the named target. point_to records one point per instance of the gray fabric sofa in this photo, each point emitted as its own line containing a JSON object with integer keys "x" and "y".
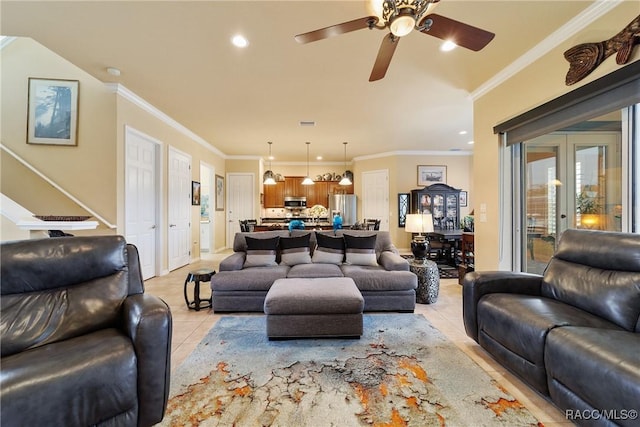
{"x": 387, "y": 286}
{"x": 573, "y": 334}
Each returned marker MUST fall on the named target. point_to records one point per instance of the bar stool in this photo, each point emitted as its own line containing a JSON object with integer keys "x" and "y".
{"x": 197, "y": 276}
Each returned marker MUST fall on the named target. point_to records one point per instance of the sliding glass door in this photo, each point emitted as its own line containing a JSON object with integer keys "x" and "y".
{"x": 571, "y": 179}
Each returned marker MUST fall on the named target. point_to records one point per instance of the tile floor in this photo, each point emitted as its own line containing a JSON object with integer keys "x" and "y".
{"x": 190, "y": 326}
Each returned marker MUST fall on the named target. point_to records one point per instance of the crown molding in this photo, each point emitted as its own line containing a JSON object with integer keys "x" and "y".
{"x": 122, "y": 91}
{"x": 458, "y": 153}
{"x": 578, "y": 23}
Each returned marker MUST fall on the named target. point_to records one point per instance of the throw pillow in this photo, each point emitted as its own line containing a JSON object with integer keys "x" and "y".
{"x": 295, "y": 250}
{"x": 330, "y": 250}
{"x": 261, "y": 252}
{"x": 360, "y": 250}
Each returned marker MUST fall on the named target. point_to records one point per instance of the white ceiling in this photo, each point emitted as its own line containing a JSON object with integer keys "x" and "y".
{"x": 177, "y": 56}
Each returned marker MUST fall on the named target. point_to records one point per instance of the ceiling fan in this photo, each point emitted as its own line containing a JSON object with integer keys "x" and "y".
{"x": 401, "y": 17}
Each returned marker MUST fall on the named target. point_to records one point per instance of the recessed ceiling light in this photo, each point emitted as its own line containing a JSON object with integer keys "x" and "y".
{"x": 319, "y": 158}
{"x": 462, "y": 132}
{"x": 448, "y": 46}
{"x": 239, "y": 41}
{"x": 113, "y": 71}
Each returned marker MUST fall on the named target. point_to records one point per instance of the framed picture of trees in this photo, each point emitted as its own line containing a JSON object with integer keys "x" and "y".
{"x": 52, "y": 116}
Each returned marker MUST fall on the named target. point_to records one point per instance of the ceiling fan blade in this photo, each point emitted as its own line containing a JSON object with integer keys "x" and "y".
{"x": 458, "y": 32}
{"x": 388, "y": 46}
{"x": 335, "y": 30}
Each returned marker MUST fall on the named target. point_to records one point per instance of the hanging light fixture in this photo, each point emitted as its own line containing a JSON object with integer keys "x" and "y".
{"x": 268, "y": 178}
{"x": 345, "y": 176}
{"x": 307, "y": 179}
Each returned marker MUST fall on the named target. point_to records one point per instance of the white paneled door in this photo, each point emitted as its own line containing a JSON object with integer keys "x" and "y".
{"x": 141, "y": 198}
{"x": 240, "y": 197}
{"x": 375, "y": 197}
{"x": 179, "y": 218}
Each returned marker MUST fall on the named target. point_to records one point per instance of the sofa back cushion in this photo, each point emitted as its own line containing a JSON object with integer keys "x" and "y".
{"x": 261, "y": 252}
{"x": 59, "y": 288}
{"x": 295, "y": 250}
{"x": 383, "y": 239}
{"x": 330, "y": 249}
{"x": 598, "y": 272}
{"x": 360, "y": 250}
{"x": 240, "y": 242}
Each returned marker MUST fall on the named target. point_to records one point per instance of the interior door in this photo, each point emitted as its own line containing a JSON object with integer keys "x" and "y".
{"x": 240, "y": 202}
{"x": 572, "y": 180}
{"x": 179, "y": 233}
{"x": 141, "y": 198}
{"x": 375, "y": 197}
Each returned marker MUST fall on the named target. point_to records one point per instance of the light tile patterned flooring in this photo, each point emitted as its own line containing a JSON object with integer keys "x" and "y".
{"x": 190, "y": 326}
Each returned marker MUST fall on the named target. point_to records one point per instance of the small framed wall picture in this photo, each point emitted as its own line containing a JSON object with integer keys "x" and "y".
{"x": 195, "y": 193}
{"x": 428, "y": 175}
{"x": 463, "y": 199}
{"x": 52, "y": 112}
{"x": 219, "y": 193}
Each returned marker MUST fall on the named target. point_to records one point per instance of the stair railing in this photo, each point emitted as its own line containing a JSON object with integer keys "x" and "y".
{"x": 57, "y": 187}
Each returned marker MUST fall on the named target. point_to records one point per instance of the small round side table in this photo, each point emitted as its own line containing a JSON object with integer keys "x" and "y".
{"x": 197, "y": 276}
{"x": 428, "y": 280}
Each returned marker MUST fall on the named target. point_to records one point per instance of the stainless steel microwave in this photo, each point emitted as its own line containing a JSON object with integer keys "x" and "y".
{"x": 292, "y": 202}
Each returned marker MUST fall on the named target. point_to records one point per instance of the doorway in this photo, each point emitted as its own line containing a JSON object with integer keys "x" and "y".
{"x": 179, "y": 233}
{"x": 375, "y": 197}
{"x": 240, "y": 202}
{"x": 207, "y": 226}
{"x": 571, "y": 179}
{"x": 142, "y": 198}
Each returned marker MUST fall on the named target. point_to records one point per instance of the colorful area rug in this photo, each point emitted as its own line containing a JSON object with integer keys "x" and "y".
{"x": 402, "y": 372}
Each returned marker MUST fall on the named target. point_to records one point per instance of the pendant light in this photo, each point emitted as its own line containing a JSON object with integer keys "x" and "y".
{"x": 307, "y": 179}
{"x": 345, "y": 176}
{"x": 268, "y": 178}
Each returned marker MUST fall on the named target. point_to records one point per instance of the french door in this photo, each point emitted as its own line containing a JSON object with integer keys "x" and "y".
{"x": 570, "y": 180}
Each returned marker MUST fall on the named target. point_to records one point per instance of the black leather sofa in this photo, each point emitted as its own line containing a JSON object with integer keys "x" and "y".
{"x": 81, "y": 342}
{"x": 573, "y": 334}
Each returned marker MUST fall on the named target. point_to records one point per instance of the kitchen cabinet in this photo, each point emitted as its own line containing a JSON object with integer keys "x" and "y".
{"x": 317, "y": 194}
{"x": 274, "y": 195}
{"x": 442, "y": 201}
{"x": 293, "y": 186}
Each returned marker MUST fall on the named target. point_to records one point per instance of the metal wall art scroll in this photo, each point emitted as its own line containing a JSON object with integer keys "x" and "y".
{"x": 586, "y": 57}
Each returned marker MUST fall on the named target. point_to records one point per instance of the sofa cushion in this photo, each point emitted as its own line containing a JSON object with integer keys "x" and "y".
{"x": 315, "y": 270}
{"x": 330, "y": 250}
{"x": 261, "y": 252}
{"x": 597, "y": 367}
{"x": 240, "y": 239}
{"x": 295, "y": 250}
{"x": 248, "y": 279}
{"x": 369, "y": 278}
{"x": 360, "y": 250}
{"x": 519, "y": 324}
{"x": 599, "y": 273}
{"x": 80, "y": 381}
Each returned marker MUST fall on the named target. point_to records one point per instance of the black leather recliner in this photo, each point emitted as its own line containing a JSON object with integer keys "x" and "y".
{"x": 81, "y": 342}
{"x": 573, "y": 334}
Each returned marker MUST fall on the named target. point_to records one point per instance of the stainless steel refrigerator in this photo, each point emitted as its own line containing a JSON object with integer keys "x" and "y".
{"x": 345, "y": 204}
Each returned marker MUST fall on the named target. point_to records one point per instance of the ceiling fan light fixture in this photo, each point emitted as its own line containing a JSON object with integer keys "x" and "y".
{"x": 403, "y": 23}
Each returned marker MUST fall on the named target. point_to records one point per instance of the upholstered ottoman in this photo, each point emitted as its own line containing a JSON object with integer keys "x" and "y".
{"x": 311, "y": 308}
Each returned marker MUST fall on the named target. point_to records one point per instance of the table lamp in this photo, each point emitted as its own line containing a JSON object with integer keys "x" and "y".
{"x": 419, "y": 223}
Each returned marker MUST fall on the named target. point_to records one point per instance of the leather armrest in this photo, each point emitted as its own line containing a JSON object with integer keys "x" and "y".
{"x": 393, "y": 262}
{"x": 235, "y": 261}
{"x": 476, "y": 284}
{"x": 147, "y": 321}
